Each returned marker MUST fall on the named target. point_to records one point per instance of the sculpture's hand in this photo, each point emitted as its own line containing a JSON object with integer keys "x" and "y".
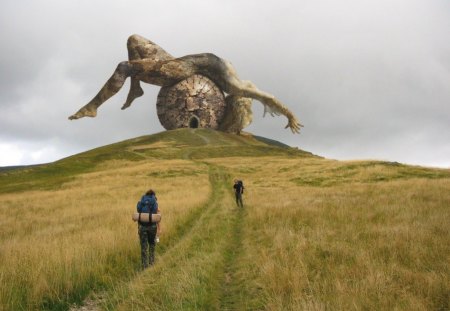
{"x": 293, "y": 124}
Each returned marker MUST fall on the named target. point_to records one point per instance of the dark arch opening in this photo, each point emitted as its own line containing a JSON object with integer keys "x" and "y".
{"x": 193, "y": 122}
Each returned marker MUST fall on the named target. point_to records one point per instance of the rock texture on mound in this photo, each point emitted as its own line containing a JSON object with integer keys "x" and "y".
{"x": 195, "y": 102}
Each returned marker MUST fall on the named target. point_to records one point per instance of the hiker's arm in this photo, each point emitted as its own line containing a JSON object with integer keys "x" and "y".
{"x": 158, "y": 225}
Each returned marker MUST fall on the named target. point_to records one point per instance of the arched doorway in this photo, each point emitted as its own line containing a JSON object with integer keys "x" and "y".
{"x": 193, "y": 122}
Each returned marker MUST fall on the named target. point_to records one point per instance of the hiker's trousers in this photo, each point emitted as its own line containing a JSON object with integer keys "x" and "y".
{"x": 239, "y": 199}
{"x": 147, "y": 235}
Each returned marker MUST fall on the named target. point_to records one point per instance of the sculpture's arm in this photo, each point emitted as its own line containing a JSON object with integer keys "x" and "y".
{"x": 275, "y": 107}
{"x": 271, "y": 104}
{"x": 224, "y": 74}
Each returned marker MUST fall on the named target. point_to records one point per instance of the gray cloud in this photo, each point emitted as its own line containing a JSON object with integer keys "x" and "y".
{"x": 369, "y": 79}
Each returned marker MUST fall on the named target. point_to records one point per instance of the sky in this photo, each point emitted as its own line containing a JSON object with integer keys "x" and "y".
{"x": 368, "y": 79}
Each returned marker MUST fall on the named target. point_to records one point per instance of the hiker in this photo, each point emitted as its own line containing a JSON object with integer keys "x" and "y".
{"x": 148, "y": 231}
{"x": 238, "y": 191}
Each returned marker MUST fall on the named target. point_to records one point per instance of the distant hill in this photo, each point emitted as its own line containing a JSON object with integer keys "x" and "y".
{"x": 180, "y": 143}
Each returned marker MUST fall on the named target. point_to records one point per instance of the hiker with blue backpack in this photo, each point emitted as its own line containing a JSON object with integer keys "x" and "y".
{"x": 148, "y": 231}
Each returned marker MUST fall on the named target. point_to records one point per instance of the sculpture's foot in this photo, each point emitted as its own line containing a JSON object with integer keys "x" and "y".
{"x": 132, "y": 95}
{"x": 84, "y": 112}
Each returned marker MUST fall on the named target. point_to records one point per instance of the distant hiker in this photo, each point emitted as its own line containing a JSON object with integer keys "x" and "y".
{"x": 238, "y": 191}
{"x": 148, "y": 231}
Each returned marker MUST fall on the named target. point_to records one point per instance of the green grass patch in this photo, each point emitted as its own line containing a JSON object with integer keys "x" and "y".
{"x": 364, "y": 172}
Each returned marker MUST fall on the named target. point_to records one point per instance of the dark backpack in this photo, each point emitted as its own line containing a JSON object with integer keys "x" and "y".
{"x": 241, "y": 184}
{"x": 147, "y": 205}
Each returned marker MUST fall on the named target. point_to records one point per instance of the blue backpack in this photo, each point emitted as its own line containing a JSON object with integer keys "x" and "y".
{"x": 147, "y": 204}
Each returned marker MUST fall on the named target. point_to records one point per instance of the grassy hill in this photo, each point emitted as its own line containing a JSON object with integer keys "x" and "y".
{"x": 315, "y": 234}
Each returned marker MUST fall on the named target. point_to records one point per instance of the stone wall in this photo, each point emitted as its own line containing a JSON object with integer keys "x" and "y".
{"x": 193, "y": 102}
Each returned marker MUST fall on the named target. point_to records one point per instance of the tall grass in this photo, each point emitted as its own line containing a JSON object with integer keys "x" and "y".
{"x": 315, "y": 234}
{"x": 363, "y": 244}
{"x": 56, "y": 246}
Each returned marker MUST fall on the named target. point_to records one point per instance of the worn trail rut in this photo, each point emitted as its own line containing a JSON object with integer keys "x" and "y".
{"x": 203, "y": 254}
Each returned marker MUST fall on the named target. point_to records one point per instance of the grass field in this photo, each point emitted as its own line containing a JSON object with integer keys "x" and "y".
{"x": 315, "y": 234}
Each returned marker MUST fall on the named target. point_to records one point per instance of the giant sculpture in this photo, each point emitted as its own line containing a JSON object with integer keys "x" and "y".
{"x": 149, "y": 63}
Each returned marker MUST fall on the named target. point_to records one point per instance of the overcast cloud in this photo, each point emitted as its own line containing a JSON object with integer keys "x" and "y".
{"x": 369, "y": 79}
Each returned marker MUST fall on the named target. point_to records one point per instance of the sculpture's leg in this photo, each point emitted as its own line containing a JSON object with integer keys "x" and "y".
{"x": 135, "y": 92}
{"x": 235, "y": 86}
{"x": 111, "y": 87}
{"x": 141, "y": 48}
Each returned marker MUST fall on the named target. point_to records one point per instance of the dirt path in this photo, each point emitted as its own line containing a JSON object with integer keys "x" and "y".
{"x": 204, "y": 138}
{"x": 214, "y": 229}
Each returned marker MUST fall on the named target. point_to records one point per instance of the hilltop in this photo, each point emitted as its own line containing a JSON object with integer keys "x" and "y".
{"x": 176, "y": 144}
{"x": 315, "y": 233}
